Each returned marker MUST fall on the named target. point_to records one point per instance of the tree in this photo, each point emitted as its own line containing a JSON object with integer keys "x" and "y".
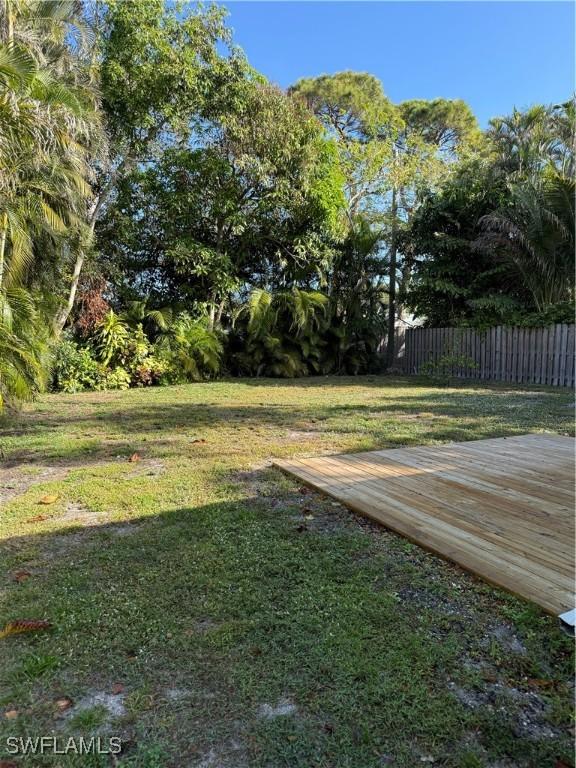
{"x": 48, "y": 118}
{"x": 433, "y": 135}
{"x": 495, "y": 242}
{"x": 534, "y": 231}
{"x": 453, "y": 282}
{"x": 355, "y": 112}
{"x": 366, "y": 125}
{"x": 391, "y": 156}
{"x": 257, "y": 204}
{"x": 161, "y": 76}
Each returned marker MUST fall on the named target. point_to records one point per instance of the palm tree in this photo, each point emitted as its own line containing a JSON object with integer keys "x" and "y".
{"x": 23, "y": 347}
{"x": 528, "y": 141}
{"x": 535, "y": 234}
{"x": 48, "y": 119}
{"x": 190, "y": 347}
{"x": 283, "y": 332}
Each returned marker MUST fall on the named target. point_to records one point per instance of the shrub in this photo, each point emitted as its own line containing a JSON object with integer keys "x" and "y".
{"x": 117, "y": 378}
{"x": 111, "y": 338}
{"x": 440, "y": 371}
{"x": 281, "y": 333}
{"x": 189, "y": 350}
{"x": 149, "y": 372}
{"x": 74, "y": 369}
{"x": 119, "y": 356}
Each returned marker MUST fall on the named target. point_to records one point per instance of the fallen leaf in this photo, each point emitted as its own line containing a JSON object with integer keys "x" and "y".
{"x": 117, "y": 688}
{"x": 24, "y": 625}
{"x": 64, "y": 703}
{"x": 7, "y": 764}
{"x": 198, "y": 440}
{"x": 309, "y": 517}
{"x": 21, "y": 576}
{"x": 50, "y": 498}
{"x": 11, "y": 714}
{"x": 291, "y": 738}
{"x": 134, "y": 457}
{"x": 36, "y": 518}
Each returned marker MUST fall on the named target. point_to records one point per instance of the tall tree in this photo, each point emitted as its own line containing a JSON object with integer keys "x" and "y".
{"x": 161, "y": 75}
{"x": 48, "y": 121}
{"x": 495, "y": 242}
{"x": 255, "y": 204}
{"x": 433, "y": 135}
{"x": 355, "y": 112}
{"x": 391, "y": 155}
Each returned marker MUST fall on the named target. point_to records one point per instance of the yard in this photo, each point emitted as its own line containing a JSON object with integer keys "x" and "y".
{"x": 212, "y": 613}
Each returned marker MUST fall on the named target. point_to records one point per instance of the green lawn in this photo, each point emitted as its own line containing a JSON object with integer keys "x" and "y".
{"x": 214, "y": 614}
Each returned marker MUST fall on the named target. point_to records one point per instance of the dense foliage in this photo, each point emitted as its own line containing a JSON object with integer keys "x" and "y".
{"x": 496, "y": 243}
{"x": 167, "y": 214}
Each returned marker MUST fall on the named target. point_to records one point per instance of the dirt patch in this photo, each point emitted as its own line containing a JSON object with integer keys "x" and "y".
{"x": 529, "y": 709}
{"x": 125, "y": 530}
{"x": 15, "y": 481}
{"x": 114, "y": 704}
{"x": 78, "y": 513}
{"x": 147, "y": 468}
{"x": 421, "y": 598}
{"x": 322, "y": 521}
{"x": 177, "y": 694}
{"x": 507, "y": 638}
{"x": 283, "y": 708}
{"x": 62, "y": 543}
{"x": 303, "y": 434}
{"x": 204, "y": 625}
{"x": 232, "y": 754}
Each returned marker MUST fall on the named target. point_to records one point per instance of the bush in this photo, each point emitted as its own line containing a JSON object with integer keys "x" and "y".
{"x": 149, "y": 372}
{"x": 117, "y": 378}
{"x": 189, "y": 351}
{"x": 440, "y": 371}
{"x": 119, "y": 356}
{"x": 74, "y": 369}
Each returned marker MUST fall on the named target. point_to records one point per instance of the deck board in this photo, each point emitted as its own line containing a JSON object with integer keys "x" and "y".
{"x": 502, "y": 508}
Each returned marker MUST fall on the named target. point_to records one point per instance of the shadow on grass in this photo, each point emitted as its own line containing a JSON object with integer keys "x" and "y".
{"x": 389, "y": 419}
{"x": 204, "y": 615}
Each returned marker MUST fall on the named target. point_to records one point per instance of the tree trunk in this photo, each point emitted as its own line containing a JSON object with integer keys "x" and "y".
{"x": 64, "y": 313}
{"x": 391, "y": 340}
{"x": 212, "y": 314}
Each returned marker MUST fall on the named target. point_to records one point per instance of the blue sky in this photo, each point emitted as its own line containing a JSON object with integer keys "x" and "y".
{"x": 495, "y": 55}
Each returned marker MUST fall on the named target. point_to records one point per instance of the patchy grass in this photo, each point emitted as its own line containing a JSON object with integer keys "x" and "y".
{"x": 212, "y": 613}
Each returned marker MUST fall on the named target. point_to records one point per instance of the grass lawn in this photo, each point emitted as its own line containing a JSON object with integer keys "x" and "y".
{"x": 214, "y": 614}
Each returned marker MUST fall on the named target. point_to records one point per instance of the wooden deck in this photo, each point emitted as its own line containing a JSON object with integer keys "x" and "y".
{"x": 501, "y": 508}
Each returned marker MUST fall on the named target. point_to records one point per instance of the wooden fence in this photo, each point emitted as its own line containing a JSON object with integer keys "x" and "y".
{"x": 520, "y": 355}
